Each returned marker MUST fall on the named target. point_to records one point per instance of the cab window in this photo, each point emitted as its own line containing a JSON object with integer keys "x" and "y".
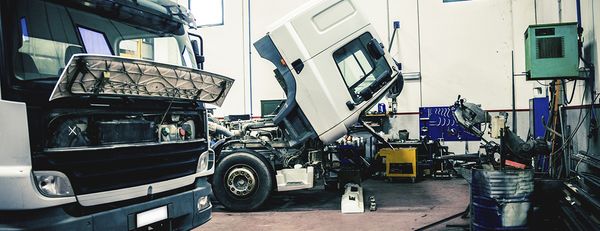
{"x": 357, "y": 67}
{"x": 45, "y": 42}
{"x": 95, "y": 42}
{"x": 147, "y": 48}
{"x": 47, "y": 35}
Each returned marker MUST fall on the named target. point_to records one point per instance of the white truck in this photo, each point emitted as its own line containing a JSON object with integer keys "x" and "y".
{"x": 102, "y": 117}
{"x": 332, "y": 66}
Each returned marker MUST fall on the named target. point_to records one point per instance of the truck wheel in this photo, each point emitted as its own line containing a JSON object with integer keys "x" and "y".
{"x": 242, "y": 181}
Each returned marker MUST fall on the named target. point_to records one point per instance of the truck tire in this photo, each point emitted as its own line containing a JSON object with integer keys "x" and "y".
{"x": 242, "y": 181}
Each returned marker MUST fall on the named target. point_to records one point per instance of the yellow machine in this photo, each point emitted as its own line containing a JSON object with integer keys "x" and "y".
{"x": 400, "y": 162}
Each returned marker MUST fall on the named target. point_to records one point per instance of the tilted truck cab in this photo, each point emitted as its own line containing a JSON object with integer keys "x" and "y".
{"x": 332, "y": 66}
{"x": 323, "y": 55}
{"x": 102, "y": 117}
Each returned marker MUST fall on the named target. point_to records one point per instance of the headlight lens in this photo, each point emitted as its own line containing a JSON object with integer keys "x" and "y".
{"x": 53, "y": 184}
{"x": 203, "y": 162}
{"x": 203, "y": 203}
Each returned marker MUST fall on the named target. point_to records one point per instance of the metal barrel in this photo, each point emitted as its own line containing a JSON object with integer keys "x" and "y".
{"x": 501, "y": 199}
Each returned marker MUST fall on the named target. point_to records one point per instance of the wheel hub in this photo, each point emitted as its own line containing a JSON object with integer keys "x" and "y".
{"x": 241, "y": 181}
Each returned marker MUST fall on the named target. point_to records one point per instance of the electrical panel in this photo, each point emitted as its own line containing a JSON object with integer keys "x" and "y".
{"x": 551, "y": 52}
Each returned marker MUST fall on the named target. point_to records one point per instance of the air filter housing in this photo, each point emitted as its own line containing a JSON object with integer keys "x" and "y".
{"x": 551, "y": 52}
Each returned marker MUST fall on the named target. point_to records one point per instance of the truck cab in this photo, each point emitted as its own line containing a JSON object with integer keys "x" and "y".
{"x": 332, "y": 66}
{"x": 102, "y": 117}
{"x": 331, "y": 63}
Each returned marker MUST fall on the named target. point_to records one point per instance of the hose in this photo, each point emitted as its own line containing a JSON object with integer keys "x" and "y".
{"x": 219, "y": 129}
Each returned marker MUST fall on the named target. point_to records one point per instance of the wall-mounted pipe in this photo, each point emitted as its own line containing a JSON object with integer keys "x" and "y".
{"x": 560, "y": 11}
{"x": 578, "y": 2}
{"x": 514, "y": 103}
{"x": 250, "y": 53}
{"x": 588, "y": 64}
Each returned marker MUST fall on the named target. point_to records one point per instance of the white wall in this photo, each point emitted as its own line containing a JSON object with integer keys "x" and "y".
{"x": 459, "y": 48}
{"x": 227, "y": 52}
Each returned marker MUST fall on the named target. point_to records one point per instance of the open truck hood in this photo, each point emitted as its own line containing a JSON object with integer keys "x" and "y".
{"x": 97, "y": 75}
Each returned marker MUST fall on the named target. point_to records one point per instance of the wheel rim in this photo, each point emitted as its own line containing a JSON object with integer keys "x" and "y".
{"x": 241, "y": 180}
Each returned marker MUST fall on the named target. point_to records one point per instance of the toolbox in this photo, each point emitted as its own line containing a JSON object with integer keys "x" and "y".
{"x": 400, "y": 162}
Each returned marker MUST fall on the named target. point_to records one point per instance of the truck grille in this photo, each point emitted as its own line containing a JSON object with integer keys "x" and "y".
{"x": 96, "y": 170}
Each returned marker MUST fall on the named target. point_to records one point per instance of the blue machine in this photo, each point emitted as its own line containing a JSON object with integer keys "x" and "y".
{"x": 439, "y": 123}
{"x": 539, "y": 110}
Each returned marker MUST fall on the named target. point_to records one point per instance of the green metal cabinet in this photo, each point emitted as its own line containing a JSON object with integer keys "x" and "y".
{"x": 551, "y": 51}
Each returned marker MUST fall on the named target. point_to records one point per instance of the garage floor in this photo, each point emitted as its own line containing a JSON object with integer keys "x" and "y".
{"x": 400, "y": 206}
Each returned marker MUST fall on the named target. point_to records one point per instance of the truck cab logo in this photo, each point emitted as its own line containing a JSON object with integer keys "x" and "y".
{"x": 72, "y": 130}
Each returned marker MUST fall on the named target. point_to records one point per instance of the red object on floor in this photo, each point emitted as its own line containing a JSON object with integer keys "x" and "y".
{"x": 515, "y": 164}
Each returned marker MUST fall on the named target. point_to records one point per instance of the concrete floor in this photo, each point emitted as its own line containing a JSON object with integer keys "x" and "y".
{"x": 400, "y": 206}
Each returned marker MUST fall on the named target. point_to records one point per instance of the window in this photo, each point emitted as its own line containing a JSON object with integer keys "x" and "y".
{"x": 354, "y": 64}
{"x": 137, "y": 48}
{"x": 207, "y": 12}
{"x": 187, "y": 58}
{"x": 44, "y": 47}
{"x": 357, "y": 67}
{"x": 146, "y": 48}
{"x": 94, "y": 42}
{"x": 47, "y": 35}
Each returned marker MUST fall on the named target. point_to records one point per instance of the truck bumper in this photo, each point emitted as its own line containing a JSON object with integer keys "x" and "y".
{"x": 183, "y": 214}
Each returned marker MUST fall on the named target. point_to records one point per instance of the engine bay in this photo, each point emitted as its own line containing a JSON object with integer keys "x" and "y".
{"x": 107, "y": 129}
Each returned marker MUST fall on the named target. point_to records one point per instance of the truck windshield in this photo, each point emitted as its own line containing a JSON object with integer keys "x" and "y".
{"x": 48, "y": 34}
{"x": 356, "y": 65}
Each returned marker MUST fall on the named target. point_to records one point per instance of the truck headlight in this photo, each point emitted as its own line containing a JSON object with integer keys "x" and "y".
{"x": 204, "y": 160}
{"x": 203, "y": 203}
{"x": 53, "y": 184}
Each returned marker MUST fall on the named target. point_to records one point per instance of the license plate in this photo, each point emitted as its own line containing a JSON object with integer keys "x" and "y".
{"x": 152, "y": 216}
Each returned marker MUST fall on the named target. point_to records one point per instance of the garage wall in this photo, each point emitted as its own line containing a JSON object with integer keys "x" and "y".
{"x": 466, "y": 50}
{"x": 224, "y": 49}
{"x": 590, "y": 14}
{"x": 227, "y": 49}
{"x": 461, "y": 48}
{"x": 457, "y": 48}
{"x": 263, "y": 14}
{"x": 586, "y": 139}
{"x": 454, "y": 46}
{"x": 565, "y": 10}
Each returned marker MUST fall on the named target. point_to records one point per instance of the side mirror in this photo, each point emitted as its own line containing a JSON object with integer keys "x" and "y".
{"x": 375, "y": 49}
{"x": 396, "y": 88}
{"x": 198, "y": 49}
